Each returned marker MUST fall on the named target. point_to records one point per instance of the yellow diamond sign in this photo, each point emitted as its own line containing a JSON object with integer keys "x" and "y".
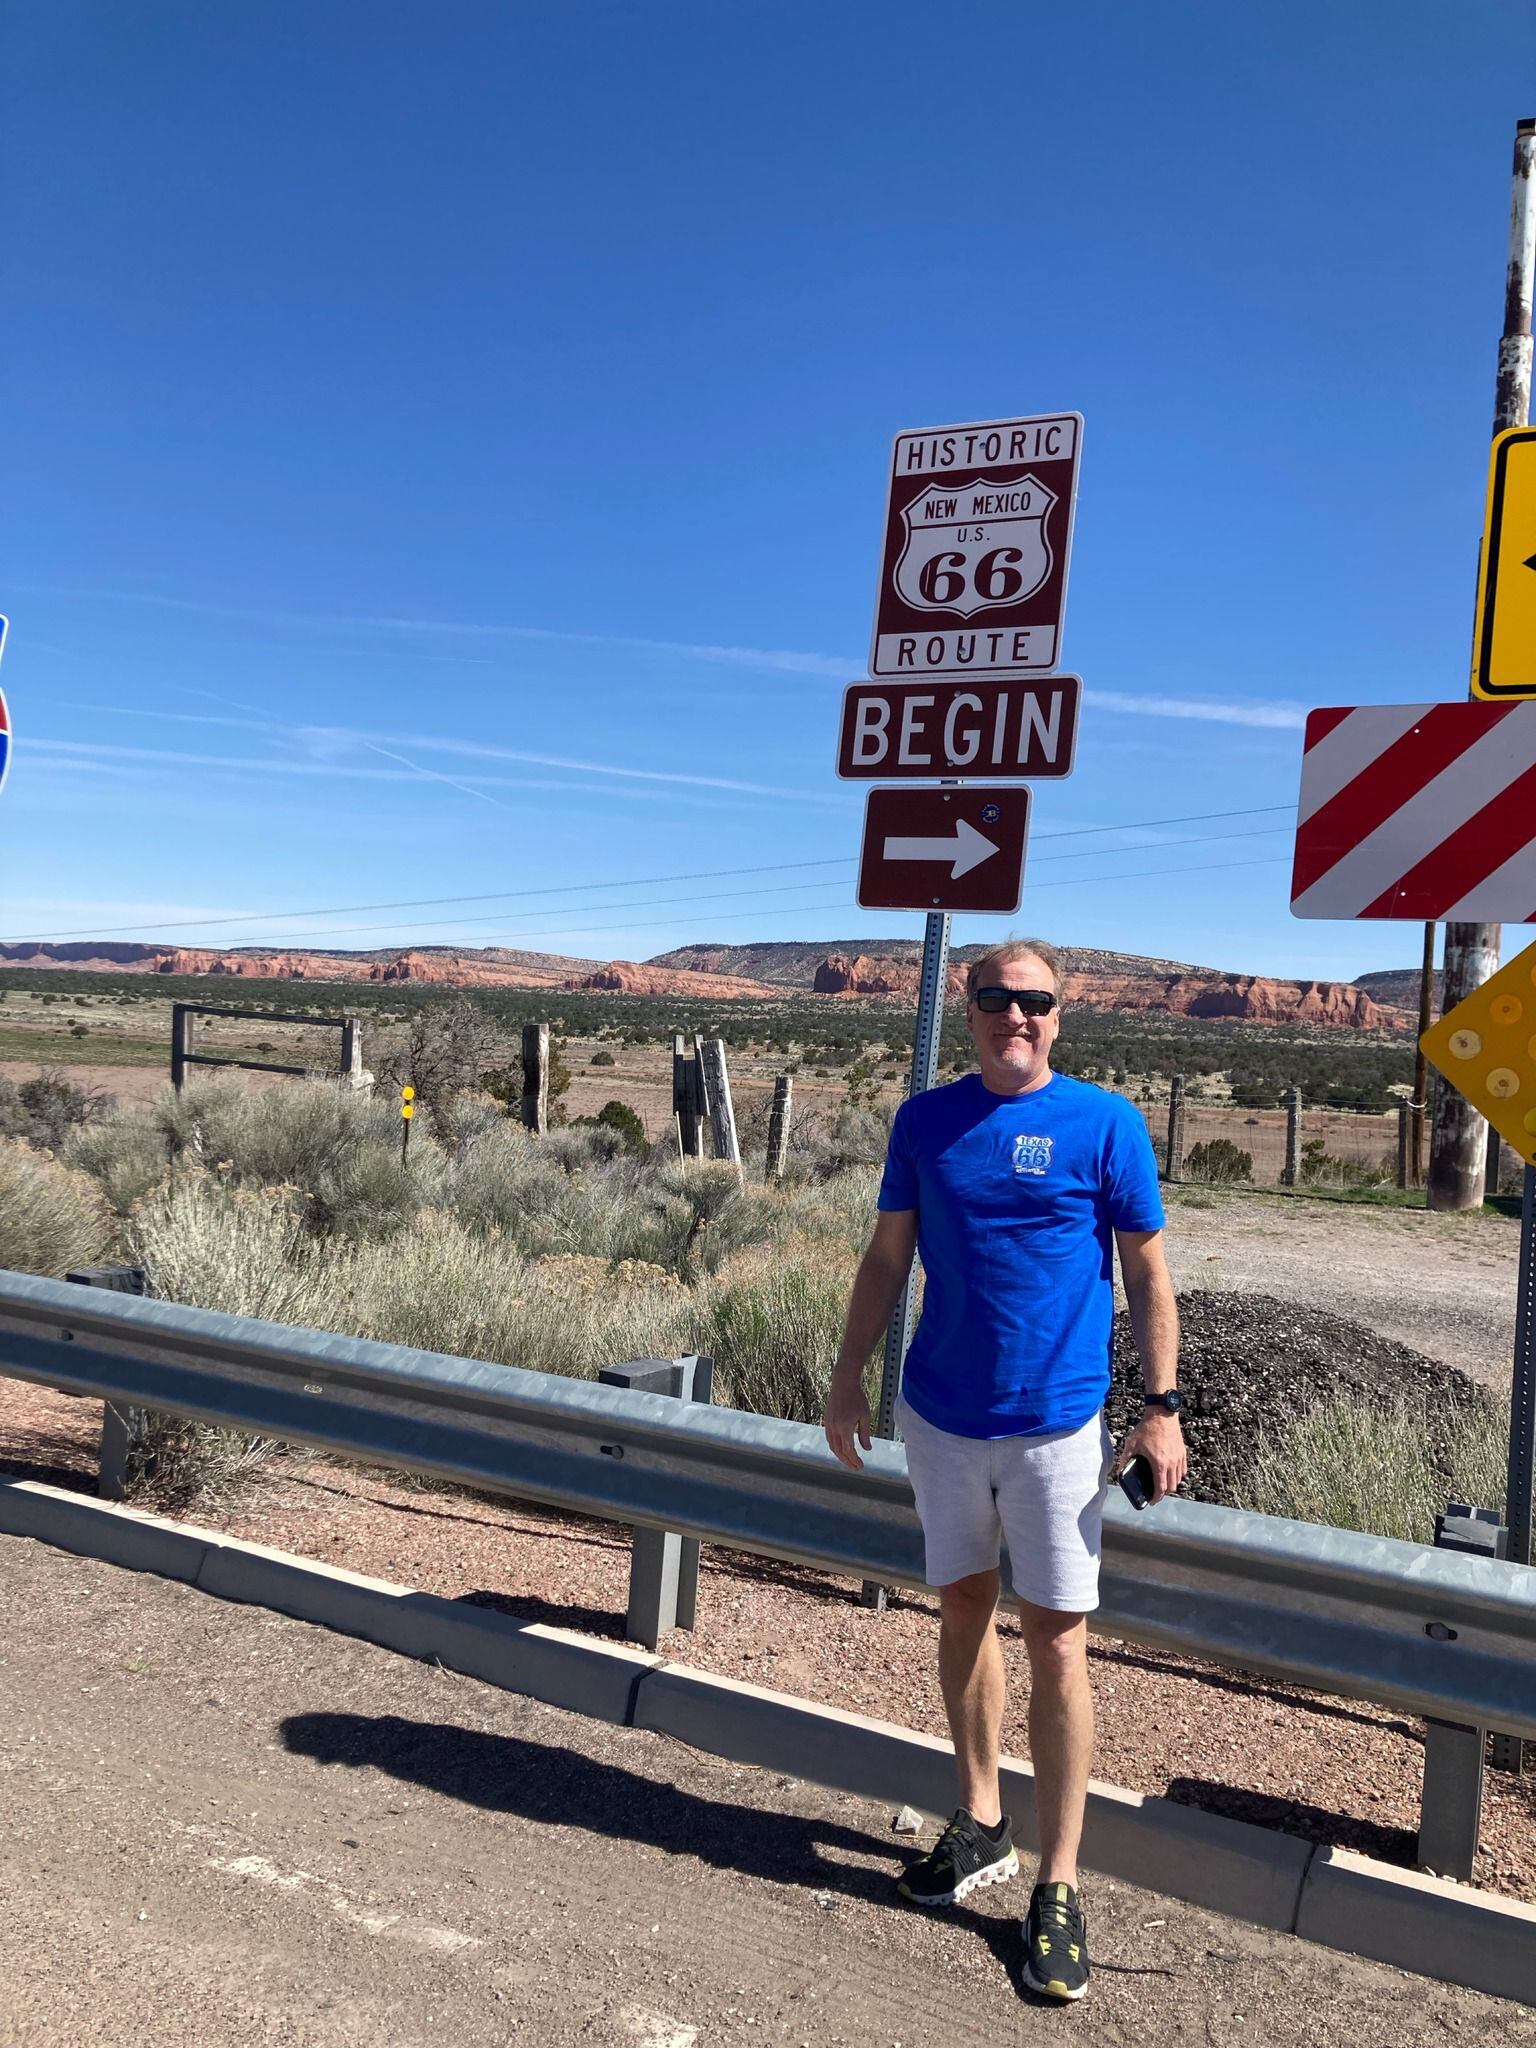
{"x": 1486, "y": 1049}
{"x": 1504, "y": 642}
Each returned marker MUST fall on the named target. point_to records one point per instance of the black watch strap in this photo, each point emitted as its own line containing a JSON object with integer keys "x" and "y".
{"x": 1170, "y": 1400}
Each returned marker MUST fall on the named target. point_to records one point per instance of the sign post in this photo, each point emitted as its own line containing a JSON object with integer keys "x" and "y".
{"x": 1486, "y": 1049}
{"x": 407, "y": 1111}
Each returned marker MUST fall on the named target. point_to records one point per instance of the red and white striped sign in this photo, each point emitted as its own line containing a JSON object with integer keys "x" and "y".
{"x": 1422, "y": 811}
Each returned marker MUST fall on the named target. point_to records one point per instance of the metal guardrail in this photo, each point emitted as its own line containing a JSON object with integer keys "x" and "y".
{"x": 1425, "y": 1631}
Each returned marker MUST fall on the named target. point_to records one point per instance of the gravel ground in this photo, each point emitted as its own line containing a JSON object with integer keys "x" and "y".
{"x": 225, "y": 1828}
{"x": 1444, "y": 1285}
{"x": 1244, "y": 1358}
{"x": 1330, "y": 1770}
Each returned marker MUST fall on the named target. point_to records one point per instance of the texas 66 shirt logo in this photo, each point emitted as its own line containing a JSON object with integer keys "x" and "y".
{"x": 978, "y": 528}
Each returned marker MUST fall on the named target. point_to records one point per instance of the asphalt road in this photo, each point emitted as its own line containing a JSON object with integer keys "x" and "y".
{"x": 221, "y": 1826}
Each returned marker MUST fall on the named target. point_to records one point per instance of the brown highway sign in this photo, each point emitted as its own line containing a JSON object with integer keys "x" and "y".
{"x": 944, "y": 849}
{"x": 918, "y": 731}
{"x": 973, "y": 567}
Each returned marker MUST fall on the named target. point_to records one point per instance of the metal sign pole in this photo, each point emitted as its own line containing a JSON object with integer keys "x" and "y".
{"x": 1458, "y": 1135}
{"x": 1522, "y": 1405}
{"x": 925, "y": 1069}
{"x": 1508, "y": 1751}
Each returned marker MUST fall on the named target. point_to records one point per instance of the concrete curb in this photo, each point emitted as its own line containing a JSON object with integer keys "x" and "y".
{"x": 1399, "y": 1917}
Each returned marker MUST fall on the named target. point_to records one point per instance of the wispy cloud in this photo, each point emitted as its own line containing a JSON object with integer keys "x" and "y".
{"x": 325, "y": 744}
{"x": 788, "y": 660}
{"x": 90, "y": 755}
{"x": 1216, "y": 711}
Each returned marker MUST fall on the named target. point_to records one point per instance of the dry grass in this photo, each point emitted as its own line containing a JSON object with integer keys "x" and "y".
{"x": 51, "y": 1217}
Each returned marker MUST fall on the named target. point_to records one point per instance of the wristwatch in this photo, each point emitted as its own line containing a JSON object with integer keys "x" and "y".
{"x": 1170, "y": 1399}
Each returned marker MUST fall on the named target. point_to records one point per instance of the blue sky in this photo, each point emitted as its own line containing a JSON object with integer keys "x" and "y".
{"x": 446, "y": 448}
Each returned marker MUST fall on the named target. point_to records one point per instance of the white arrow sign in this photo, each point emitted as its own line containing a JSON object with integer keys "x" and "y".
{"x": 965, "y": 846}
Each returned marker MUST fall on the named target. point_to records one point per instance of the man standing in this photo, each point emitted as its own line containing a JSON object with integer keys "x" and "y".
{"x": 1016, "y": 1186}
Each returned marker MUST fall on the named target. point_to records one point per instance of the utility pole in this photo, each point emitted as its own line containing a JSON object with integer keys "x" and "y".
{"x": 1458, "y": 1145}
{"x": 1421, "y": 1063}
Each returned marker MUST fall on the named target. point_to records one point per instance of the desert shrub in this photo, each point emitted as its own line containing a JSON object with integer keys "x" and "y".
{"x": 126, "y": 1155}
{"x": 442, "y": 1049}
{"x": 619, "y": 1117}
{"x": 446, "y": 1289}
{"x": 582, "y": 1144}
{"x": 1218, "y": 1159}
{"x": 246, "y": 1251}
{"x": 1322, "y": 1168}
{"x": 601, "y": 1058}
{"x": 1379, "y": 1467}
{"x": 45, "y": 1108}
{"x": 839, "y": 1209}
{"x": 51, "y": 1217}
{"x": 372, "y": 1192}
{"x": 773, "y": 1319}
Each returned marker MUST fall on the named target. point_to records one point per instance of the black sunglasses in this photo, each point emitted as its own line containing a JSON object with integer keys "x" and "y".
{"x": 1032, "y": 1002}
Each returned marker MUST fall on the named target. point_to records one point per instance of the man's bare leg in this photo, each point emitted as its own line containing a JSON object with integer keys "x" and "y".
{"x": 971, "y": 1679}
{"x": 1060, "y": 1734}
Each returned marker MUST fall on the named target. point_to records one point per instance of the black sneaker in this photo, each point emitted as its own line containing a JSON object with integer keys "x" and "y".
{"x": 966, "y": 1855}
{"x": 1056, "y": 1943}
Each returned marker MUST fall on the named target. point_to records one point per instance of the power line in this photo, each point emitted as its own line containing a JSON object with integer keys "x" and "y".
{"x": 776, "y": 889}
{"x": 625, "y": 882}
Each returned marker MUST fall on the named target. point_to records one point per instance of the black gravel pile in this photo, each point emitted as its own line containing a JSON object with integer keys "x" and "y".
{"x": 1247, "y": 1362}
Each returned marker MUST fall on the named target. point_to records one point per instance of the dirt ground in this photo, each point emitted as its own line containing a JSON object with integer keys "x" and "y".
{"x": 1445, "y": 1285}
{"x": 226, "y": 1829}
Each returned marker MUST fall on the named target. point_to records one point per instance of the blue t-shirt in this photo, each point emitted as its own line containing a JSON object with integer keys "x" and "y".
{"x": 1017, "y": 1200}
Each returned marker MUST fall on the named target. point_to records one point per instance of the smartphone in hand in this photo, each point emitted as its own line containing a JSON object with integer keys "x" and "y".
{"x": 1136, "y": 1483}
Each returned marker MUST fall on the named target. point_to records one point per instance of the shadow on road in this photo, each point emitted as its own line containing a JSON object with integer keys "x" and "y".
{"x": 561, "y": 1787}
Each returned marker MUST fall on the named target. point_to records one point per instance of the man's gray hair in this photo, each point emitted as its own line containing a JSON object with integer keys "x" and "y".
{"x": 981, "y": 971}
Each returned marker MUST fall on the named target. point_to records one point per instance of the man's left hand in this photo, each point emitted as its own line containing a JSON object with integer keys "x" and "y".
{"x": 1159, "y": 1439}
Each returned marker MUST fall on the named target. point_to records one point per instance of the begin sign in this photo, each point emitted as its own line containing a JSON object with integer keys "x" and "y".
{"x": 913, "y": 732}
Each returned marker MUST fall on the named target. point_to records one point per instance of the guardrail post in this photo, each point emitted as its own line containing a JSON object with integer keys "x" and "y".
{"x": 1174, "y": 1168}
{"x": 664, "y": 1567}
{"x": 1451, "y": 1810}
{"x": 1290, "y": 1174}
{"x": 121, "y": 1427}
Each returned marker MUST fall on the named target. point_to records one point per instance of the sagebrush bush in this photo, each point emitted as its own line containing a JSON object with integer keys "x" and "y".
{"x": 1379, "y": 1467}
{"x": 773, "y": 1319}
{"x": 244, "y": 1250}
{"x": 51, "y": 1217}
{"x": 125, "y": 1154}
{"x": 476, "y": 1296}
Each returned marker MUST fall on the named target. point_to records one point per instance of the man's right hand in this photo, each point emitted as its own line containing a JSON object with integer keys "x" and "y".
{"x": 847, "y": 1421}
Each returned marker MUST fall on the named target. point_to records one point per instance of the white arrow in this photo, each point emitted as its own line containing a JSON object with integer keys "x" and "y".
{"x": 965, "y": 846}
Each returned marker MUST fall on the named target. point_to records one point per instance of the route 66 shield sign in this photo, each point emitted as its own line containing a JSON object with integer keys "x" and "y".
{"x": 978, "y": 531}
{"x": 972, "y": 550}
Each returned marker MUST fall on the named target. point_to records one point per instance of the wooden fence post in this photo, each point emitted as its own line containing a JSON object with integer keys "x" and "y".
{"x": 778, "y": 1129}
{"x": 1174, "y": 1168}
{"x": 722, "y": 1116}
{"x": 1405, "y": 1115}
{"x": 181, "y": 1043}
{"x": 684, "y": 1107}
{"x": 1291, "y": 1172}
{"x": 698, "y": 1075}
{"x": 535, "y": 1108}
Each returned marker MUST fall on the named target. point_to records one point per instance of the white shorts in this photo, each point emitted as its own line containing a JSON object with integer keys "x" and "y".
{"x": 1042, "y": 1495}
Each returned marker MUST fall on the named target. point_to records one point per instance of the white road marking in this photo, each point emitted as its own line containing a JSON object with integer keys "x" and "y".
{"x": 421, "y": 1933}
{"x": 656, "y": 2029}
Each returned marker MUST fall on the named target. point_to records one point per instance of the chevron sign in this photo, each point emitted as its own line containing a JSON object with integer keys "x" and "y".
{"x": 1421, "y": 811}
